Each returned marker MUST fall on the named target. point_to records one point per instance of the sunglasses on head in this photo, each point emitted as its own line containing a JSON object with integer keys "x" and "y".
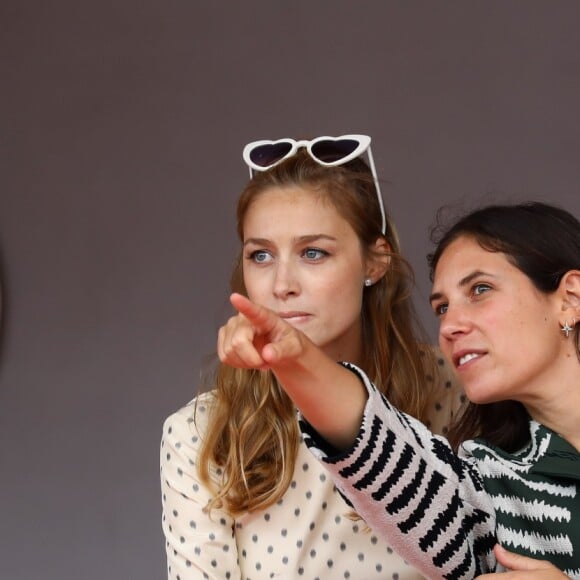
{"x": 327, "y": 151}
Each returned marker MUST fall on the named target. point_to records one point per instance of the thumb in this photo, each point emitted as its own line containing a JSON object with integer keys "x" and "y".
{"x": 518, "y": 562}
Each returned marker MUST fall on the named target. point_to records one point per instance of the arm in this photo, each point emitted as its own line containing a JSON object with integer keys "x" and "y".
{"x": 408, "y": 485}
{"x": 197, "y": 545}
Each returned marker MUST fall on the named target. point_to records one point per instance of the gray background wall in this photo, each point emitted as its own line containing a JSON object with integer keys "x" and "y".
{"x": 121, "y": 130}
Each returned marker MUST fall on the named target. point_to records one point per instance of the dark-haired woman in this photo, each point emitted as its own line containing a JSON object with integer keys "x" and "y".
{"x": 506, "y": 289}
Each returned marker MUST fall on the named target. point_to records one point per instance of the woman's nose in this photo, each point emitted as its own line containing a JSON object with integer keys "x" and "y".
{"x": 454, "y": 323}
{"x": 286, "y": 281}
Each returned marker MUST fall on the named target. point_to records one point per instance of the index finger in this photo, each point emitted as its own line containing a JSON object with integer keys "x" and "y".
{"x": 262, "y": 319}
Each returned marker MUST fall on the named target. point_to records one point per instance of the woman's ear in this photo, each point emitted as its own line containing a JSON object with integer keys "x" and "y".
{"x": 569, "y": 292}
{"x": 379, "y": 259}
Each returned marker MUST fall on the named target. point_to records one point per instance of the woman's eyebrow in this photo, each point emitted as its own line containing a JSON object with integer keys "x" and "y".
{"x": 257, "y": 241}
{"x": 463, "y": 282}
{"x": 300, "y": 239}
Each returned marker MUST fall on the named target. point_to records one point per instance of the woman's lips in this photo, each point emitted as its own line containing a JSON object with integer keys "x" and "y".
{"x": 466, "y": 356}
{"x": 295, "y": 316}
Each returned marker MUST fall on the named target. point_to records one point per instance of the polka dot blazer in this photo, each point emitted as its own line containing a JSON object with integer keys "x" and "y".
{"x": 307, "y": 534}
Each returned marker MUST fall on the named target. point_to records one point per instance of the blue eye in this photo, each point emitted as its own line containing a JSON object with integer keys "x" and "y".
{"x": 260, "y": 256}
{"x": 314, "y": 254}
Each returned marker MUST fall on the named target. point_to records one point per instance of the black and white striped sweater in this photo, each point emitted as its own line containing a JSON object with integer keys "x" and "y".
{"x": 443, "y": 512}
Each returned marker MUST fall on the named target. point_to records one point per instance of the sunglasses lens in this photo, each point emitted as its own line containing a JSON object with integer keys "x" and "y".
{"x": 270, "y": 153}
{"x": 330, "y": 151}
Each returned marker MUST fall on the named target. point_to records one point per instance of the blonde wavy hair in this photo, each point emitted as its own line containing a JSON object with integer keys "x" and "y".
{"x": 253, "y": 435}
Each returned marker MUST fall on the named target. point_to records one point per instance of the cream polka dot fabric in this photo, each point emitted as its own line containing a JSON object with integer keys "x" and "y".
{"x": 308, "y": 534}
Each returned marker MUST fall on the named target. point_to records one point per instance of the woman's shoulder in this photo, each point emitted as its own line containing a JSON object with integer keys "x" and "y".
{"x": 192, "y": 418}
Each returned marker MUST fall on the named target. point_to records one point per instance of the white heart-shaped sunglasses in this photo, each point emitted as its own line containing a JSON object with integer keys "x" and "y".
{"x": 328, "y": 151}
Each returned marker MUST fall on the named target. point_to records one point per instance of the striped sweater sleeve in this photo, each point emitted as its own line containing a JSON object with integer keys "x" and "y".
{"x": 410, "y": 487}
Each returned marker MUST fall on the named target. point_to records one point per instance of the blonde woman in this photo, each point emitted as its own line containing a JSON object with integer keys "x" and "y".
{"x": 242, "y": 496}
